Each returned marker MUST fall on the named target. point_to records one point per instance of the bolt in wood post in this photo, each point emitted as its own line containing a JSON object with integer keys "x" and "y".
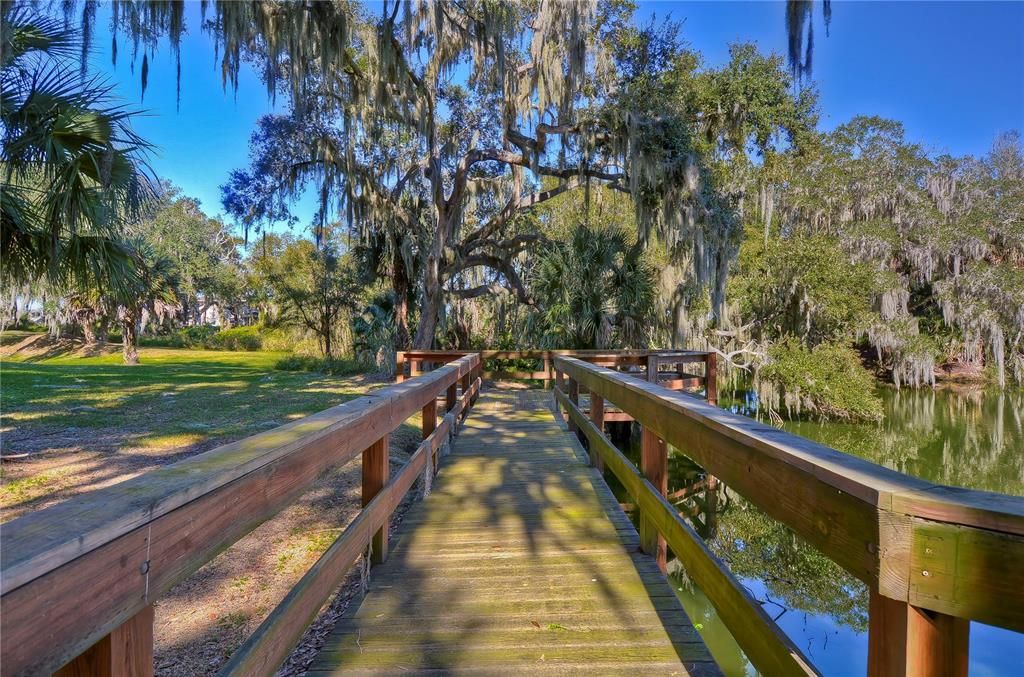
{"x": 597, "y": 417}
{"x": 451, "y": 397}
{"x": 711, "y": 378}
{"x": 905, "y": 641}
{"x": 399, "y": 366}
{"x": 375, "y": 475}
{"x": 574, "y": 397}
{"x": 126, "y": 652}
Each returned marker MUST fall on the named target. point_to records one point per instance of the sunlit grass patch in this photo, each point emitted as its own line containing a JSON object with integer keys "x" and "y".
{"x": 25, "y": 488}
{"x": 171, "y": 440}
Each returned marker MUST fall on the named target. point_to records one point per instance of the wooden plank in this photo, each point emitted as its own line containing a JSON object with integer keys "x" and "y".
{"x": 126, "y": 652}
{"x": 465, "y": 590}
{"x": 905, "y": 641}
{"x": 967, "y": 572}
{"x": 766, "y": 645}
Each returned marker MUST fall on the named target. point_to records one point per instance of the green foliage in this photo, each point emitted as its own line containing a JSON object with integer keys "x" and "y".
{"x": 595, "y": 290}
{"x": 334, "y": 367}
{"x": 236, "y": 338}
{"x": 73, "y": 172}
{"x": 827, "y": 381}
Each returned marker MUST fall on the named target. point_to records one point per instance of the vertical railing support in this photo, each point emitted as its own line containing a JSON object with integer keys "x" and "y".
{"x": 547, "y": 369}
{"x": 465, "y": 389}
{"x": 711, "y": 378}
{"x": 127, "y": 651}
{"x": 451, "y": 397}
{"x": 597, "y": 418}
{"x": 429, "y": 425}
{"x": 399, "y": 366}
{"x": 654, "y": 466}
{"x": 574, "y": 397}
{"x": 375, "y": 475}
{"x": 904, "y": 640}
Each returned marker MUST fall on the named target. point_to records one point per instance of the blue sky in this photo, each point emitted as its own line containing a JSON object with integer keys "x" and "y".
{"x": 953, "y": 72}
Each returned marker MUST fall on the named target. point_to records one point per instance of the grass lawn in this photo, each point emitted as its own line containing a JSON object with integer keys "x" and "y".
{"x": 86, "y": 422}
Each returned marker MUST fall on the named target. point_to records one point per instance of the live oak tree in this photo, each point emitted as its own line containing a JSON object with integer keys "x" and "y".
{"x": 484, "y": 100}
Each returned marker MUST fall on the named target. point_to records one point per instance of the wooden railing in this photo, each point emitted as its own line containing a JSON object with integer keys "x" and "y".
{"x": 933, "y": 557}
{"x": 78, "y": 580}
{"x": 411, "y": 363}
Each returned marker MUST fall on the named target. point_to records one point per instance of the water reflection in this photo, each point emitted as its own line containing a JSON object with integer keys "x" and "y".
{"x": 969, "y": 438}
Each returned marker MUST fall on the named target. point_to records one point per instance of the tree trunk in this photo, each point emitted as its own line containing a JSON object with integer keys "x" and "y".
{"x": 130, "y": 336}
{"x": 400, "y": 287}
{"x": 103, "y": 331}
{"x": 89, "y": 333}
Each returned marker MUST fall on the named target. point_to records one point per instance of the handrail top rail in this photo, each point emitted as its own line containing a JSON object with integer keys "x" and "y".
{"x": 37, "y": 543}
{"x": 877, "y": 485}
{"x": 567, "y": 352}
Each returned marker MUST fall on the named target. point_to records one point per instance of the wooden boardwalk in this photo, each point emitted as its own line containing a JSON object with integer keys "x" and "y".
{"x": 520, "y": 561}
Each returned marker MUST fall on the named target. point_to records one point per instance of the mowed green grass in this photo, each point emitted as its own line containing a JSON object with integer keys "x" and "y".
{"x": 123, "y": 419}
{"x": 176, "y": 393}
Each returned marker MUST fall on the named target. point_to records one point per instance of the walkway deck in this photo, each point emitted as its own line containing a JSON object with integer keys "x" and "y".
{"x": 520, "y": 561}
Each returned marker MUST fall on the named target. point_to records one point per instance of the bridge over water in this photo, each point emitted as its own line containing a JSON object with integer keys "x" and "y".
{"x": 518, "y": 559}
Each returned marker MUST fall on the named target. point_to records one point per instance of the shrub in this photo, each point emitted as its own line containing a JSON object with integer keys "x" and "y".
{"x": 333, "y": 367}
{"x": 827, "y": 381}
{"x": 238, "y": 338}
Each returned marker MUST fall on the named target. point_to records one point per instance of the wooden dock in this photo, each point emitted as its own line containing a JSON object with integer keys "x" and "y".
{"x": 519, "y": 561}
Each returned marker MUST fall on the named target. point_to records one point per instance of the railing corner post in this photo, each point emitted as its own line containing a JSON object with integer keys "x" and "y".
{"x": 711, "y": 378}
{"x": 904, "y": 640}
{"x": 399, "y": 366}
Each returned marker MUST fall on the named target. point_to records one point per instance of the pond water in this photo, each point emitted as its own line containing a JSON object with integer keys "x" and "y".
{"x": 968, "y": 438}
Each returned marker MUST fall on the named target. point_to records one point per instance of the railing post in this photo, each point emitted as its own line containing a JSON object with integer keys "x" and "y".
{"x": 399, "y": 366}
{"x": 465, "y": 389}
{"x": 127, "y": 651}
{"x": 375, "y": 475}
{"x": 451, "y": 396}
{"x": 597, "y": 417}
{"x": 429, "y": 415}
{"x": 905, "y": 641}
{"x": 478, "y": 373}
{"x": 654, "y": 466}
{"x": 415, "y": 366}
{"x": 711, "y": 378}
{"x": 574, "y": 397}
{"x": 547, "y": 369}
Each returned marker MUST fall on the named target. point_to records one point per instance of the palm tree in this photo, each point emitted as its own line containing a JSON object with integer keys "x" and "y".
{"x": 595, "y": 290}
{"x": 154, "y": 284}
{"x": 72, "y": 169}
